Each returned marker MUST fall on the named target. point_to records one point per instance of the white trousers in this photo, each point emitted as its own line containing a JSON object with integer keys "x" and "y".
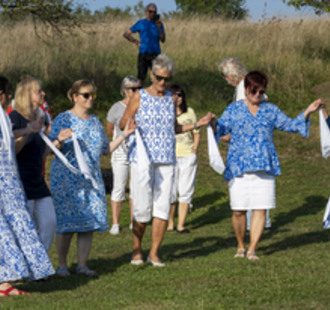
{"x": 43, "y": 214}
{"x": 120, "y": 173}
{"x": 155, "y": 197}
{"x": 184, "y": 180}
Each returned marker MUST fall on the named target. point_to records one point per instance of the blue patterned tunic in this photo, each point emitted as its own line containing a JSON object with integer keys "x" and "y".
{"x": 251, "y": 146}
{"x": 21, "y": 253}
{"x": 155, "y": 119}
{"x": 79, "y": 206}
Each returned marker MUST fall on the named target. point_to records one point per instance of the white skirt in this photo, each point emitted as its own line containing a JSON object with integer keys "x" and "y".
{"x": 252, "y": 191}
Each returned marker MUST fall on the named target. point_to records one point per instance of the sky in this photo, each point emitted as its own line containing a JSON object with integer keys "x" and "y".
{"x": 257, "y": 8}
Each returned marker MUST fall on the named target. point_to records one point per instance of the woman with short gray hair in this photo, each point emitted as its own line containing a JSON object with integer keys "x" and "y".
{"x": 119, "y": 163}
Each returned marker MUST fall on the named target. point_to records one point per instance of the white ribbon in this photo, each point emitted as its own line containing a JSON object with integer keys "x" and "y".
{"x": 6, "y": 131}
{"x": 142, "y": 160}
{"x": 215, "y": 158}
{"x": 326, "y": 217}
{"x": 324, "y": 136}
{"x": 83, "y": 167}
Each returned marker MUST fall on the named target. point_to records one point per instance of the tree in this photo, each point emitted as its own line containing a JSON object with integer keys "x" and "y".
{"x": 320, "y": 6}
{"x": 233, "y": 9}
{"x": 58, "y": 14}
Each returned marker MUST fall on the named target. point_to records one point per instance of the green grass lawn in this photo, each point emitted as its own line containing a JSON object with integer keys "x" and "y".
{"x": 201, "y": 273}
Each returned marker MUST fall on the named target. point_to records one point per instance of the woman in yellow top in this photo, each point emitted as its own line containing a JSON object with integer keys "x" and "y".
{"x": 186, "y": 161}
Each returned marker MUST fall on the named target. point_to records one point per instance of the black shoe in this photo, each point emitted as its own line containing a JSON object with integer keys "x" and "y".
{"x": 183, "y": 231}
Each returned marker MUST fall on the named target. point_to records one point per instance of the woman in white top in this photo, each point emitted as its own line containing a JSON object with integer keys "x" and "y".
{"x": 119, "y": 162}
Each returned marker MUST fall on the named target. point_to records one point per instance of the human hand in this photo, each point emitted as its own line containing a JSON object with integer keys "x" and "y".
{"x": 64, "y": 134}
{"x": 129, "y": 127}
{"x": 206, "y": 119}
{"x": 34, "y": 127}
{"x": 314, "y": 106}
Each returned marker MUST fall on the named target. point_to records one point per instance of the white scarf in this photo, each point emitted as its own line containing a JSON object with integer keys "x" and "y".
{"x": 326, "y": 217}
{"x": 324, "y": 136}
{"x": 215, "y": 158}
{"x": 6, "y": 131}
{"x": 142, "y": 160}
{"x": 83, "y": 167}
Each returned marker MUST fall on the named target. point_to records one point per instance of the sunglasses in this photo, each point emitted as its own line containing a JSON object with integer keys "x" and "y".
{"x": 151, "y": 11}
{"x": 260, "y": 92}
{"x": 161, "y": 78}
{"x": 87, "y": 95}
{"x": 135, "y": 88}
{"x": 179, "y": 95}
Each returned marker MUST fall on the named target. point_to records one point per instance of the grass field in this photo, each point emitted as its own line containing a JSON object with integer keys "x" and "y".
{"x": 201, "y": 273}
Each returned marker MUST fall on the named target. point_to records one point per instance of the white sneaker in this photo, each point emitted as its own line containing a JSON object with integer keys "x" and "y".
{"x": 131, "y": 226}
{"x": 114, "y": 229}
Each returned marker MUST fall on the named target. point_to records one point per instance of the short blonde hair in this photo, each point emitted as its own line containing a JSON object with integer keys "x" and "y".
{"x": 77, "y": 85}
{"x": 163, "y": 62}
{"x": 128, "y": 82}
{"x": 23, "y": 102}
{"x": 232, "y": 67}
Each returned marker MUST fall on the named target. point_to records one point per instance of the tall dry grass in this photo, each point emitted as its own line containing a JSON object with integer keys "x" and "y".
{"x": 295, "y": 54}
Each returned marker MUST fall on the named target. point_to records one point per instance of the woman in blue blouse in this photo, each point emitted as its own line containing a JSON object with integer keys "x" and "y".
{"x": 252, "y": 162}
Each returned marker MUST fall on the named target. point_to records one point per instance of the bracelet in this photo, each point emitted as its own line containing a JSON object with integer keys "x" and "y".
{"x": 195, "y": 126}
{"x": 123, "y": 134}
{"x": 58, "y": 140}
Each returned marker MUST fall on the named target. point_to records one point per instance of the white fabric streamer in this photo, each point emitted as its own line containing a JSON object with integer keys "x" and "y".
{"x": 215, "y": 158}
{"x": 83, "y": 168}
{"x": 324, "y": 136}
{"x": 142, "y": 160}
{"x": 6, "y": 131}
{"x": 326, "y": 217}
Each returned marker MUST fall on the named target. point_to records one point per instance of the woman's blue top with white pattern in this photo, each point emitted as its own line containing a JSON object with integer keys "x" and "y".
{"x": 251, "y": 146}
{"x": 155, "y": 119}
{"x": 21, "y": 253}
{"x": 79, "y": 206}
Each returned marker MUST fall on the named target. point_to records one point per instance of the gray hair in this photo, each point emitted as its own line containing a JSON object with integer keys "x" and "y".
{"x": 233, "y": 68}
{"x": 149, "y": 5}
{"x": 162, "y": 62}
{"x": 128, "y": 82}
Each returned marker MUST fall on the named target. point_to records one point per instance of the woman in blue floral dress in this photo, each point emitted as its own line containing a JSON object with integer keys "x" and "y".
{"x": 21, "y": 253}
{"x": 80, "y": 206}
{"x": 252, "y": 162}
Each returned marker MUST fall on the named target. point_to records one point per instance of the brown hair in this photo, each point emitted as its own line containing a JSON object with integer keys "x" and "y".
{"x": 77, "y": 85}
{"x": 255, "y": 79}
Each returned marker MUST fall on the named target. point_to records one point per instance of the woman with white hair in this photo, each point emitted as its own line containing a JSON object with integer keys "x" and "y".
{"x": 119, "y": 163}
{"x": 234, "y": 72}
{"x": 21, "y": 253}
{"x": 154, "y": 112}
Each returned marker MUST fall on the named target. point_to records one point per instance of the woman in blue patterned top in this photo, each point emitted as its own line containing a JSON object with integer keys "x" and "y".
{"x": 80, "y": 206}
{"x": 154, "y": 112}
{"x": 252, "y": 162}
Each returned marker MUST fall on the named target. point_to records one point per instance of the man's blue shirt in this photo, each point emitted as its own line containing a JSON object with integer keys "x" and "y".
{"x": 149, "y": 36}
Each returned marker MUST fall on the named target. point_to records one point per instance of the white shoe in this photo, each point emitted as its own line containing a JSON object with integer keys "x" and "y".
{"x": 114, "y": 229}
{"x": 131, "y": 226}
{"x": 137, "y": 262}
{"x": 155, "y": 264}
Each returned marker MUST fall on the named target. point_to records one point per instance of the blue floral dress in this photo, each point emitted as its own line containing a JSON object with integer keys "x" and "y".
{"x": 251, "y": 146}
{"x": 79, "y": 206}
{"x": 21, "y": 253}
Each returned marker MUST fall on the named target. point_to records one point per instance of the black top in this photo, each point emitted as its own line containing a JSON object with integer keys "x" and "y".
{"x": 29, "y": 160}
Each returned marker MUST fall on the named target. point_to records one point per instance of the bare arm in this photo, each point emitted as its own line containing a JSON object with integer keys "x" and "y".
{"x": 62, "y": 136}
{"x": 132, "y": 107}
{"x": 196, "y": 137}
{"x": 21, "y": 135}
{"x": 162, "y": 35}
{"x": 110, "y": 128}
{"x": 128, "y": 36}
{"x": 205, "y": 120}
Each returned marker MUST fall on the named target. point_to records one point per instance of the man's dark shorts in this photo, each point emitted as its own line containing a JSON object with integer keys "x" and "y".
{"x": 145, "y": 62}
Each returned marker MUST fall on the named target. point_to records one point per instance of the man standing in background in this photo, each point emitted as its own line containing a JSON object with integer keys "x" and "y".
{"x": 151, "y": 31}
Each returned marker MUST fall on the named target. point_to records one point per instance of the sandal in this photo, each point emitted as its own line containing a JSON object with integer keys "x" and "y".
{"x": 251, "y": 255}
{"x": 17, "y": 292}
{"x": 240, "y": 253}
{"x": 63, "y": 271}
{"x": 85, "y": 271}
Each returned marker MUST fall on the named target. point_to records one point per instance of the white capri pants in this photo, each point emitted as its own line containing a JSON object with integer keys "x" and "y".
{"x": 252, "y": 191}
{"x": 43, "y": 214}
{"x": 120, "y": 173}
{"x": 184, "y": 180}
{"x": 155, "y": 197}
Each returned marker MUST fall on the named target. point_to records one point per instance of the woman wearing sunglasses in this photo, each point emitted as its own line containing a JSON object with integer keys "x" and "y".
{"x": 252, "y": 162}
{"x": 186, "y": 160}
{"x": 119, "y": 163}
{"x": 22, "y": 255}
{"x": 154, "y": 113}
{"x": 80, "y": 203}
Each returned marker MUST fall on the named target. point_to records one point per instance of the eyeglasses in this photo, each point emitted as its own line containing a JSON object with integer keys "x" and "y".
{"x": 87, "y": 95}
{"x": 135, "y": 88}
{"x": 259, "y": 92}
{"x": 161, "y": 78}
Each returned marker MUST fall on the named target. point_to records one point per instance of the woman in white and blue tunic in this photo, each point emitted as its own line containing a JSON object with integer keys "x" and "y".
{"x": 154, "y": 113}
{"x": 21, "y": 253}
{"x": 252, "y": 162}
{"x": 80, "y": 203}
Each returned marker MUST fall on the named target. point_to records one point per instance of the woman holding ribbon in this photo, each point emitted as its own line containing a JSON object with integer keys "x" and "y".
{"x": 79, "y": 199}
{"x": 30, "y": 152}
{"x": 252, "y": 162}
{"x": 21, "y": 253}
